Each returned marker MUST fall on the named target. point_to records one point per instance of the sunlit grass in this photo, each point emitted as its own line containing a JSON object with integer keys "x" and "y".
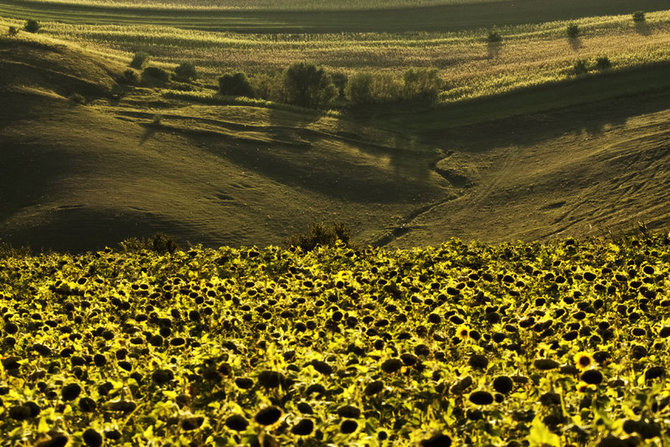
{"x": 529, "y": 54}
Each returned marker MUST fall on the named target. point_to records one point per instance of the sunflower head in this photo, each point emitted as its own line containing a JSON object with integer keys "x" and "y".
{"x": 583, "y": 360}
{"x": 462, "y": 332}
{"x": 583, "y": 387}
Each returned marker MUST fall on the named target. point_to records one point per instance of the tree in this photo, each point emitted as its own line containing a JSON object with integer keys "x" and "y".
{"x": 32, "y": 26}
{"x": 235, "y": 85}
{"x": 581, "y": 67}
{"x": 603, "y": 63}
{"x": 155, "y": 76}
{"x": 494, "y": 37}
{"x": 321, "y": 234}
{"x": 186, "y": 72}
{"x": 359, "y": 88}
{"x": 638, "y": 17}
{"x": 140, "y": 59}
{"x": 422, "y": 85}
{"x": 308, "y": 86}
{"x": 572, "y": 31}
{"x": 129, "y": 77}
{"x": 12, "y": 31}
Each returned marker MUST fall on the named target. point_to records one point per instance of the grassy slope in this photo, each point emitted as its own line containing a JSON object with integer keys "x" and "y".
{"x": 530, "y": 54}
{"x": 432, "y": 18}
{"x": 586, "y": 169}
{"x": 83, "y": 176}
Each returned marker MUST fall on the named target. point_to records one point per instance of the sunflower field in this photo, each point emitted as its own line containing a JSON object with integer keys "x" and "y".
{"x": 521, "y": 344}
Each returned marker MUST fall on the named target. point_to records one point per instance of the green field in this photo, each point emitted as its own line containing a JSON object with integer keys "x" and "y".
{"x": 463, "y": 344}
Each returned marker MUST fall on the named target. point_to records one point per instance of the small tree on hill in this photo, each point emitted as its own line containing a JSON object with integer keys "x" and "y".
{"x": 359, "y": 88}
{"x": 422, "y": 85}
{"x": 186, "y": 72}
{"x": 639, "y": 17}
{"x": 581, "y": 67}
{"x": 140, "y": 59}
{"x": 129, "y": 77}
{"x": 12, "y": 31}
{"x": 308, "y": 86}
{"x": 155, "y": 76}
{"x": 235, "y": 85}
{"x": 494, "y": 37}
{"x": 32, "y": 26}
{"x": 603, "y": 63}
{"x": 320, "y": 234}
{"x": 572, "y": 31}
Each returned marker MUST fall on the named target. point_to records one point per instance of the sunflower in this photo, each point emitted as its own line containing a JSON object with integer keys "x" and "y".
{"x": 583, "y": 387}
{"x": 462, "y": 332}
{"x": 583, "y": 360}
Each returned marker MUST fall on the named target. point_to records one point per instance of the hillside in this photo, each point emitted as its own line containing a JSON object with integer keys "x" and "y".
{"x": 81, "y": 177}
{"x": 84, "y": 176}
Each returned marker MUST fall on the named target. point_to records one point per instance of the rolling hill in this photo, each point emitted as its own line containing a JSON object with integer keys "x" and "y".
{"x": 80, "y": 177}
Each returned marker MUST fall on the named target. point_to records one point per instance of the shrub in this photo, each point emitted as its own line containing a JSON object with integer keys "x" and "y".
{"x": 77, "y": 98}
{"x": 581, "y": 67}
{"x": 129, "y": 77}
{"x": 186, "y": 72}
{"x": 32, "y": 26}
{"x": 159, "y": 243}
{"x": 320, "y": 234}
{"x": 155, "y": 76}
{"x": 9, "y": 251}
{"x": 156, "y": 120}
{"x": 359, "y": 88}
{"x": 573, "y": 31}
{"x": 140, "y": 59}
{"x": 493, "y": 37}
{"x": 638, "y": 17}
{"x": 308, "y": 86}
{"x": 386, "y": 88}
{"x": 422, "y": 85}
{"x": 12, "y": 31}
{"x": 340, "y": 82}
{"x": 268, "y": 86}
{"x": 235, "y": 85}
{"x": 603, "y": 63}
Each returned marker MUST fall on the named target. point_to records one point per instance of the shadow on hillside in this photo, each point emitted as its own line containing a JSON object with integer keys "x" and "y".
{"x": 575, "y": 43}
{"x": 475, "y": 126}
{"x": 337, "y": 166}
{"x": 149, "y": 132}
{"x": 81, "y": 229}
{"x": 29, "y": 174}
{"x": 643, "y": 28}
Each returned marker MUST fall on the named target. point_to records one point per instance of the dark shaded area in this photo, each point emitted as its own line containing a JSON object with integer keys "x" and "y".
{"x": 455, "y": 178}
{"x": 83, "y": 229}
{"x": 549, "y": 110}
{"x": 312, "y": 168}
{"x": 428, "y": 18}
{"x": 643, "y": 28}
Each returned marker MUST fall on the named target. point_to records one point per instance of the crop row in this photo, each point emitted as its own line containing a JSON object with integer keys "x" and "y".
{"x": 528, "y": 55}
